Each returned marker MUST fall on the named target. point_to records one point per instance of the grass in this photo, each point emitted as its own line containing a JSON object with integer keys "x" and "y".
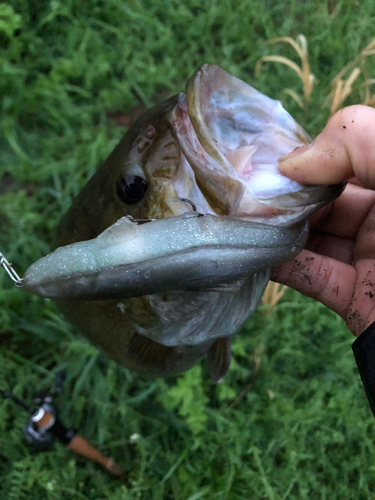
{"x": 301, "y": 428}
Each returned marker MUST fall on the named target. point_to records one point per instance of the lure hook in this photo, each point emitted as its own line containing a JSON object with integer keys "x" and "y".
{"x": 190, "y": 203}
{"x": 143, "y": 221}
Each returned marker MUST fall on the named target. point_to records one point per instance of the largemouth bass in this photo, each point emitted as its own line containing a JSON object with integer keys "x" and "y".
{"x": 167, "y": 250}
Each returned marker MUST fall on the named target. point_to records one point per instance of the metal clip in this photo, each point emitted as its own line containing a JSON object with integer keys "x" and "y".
{"x": 11, "y": 272}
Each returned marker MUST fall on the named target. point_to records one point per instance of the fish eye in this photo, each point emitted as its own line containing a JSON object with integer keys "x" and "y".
{"x": 131, "y": 188}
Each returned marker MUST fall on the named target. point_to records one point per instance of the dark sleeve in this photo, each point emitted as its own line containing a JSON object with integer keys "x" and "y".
{"x": 364, "y": 353}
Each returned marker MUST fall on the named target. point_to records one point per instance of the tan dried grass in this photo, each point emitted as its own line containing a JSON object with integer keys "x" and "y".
{"x": 303, "y": 71}
{"x": 344, "y": 80}
{"x": 272, "y": 295}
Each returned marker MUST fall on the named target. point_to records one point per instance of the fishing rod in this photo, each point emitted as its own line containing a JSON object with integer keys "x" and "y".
{"x": 9, "y": 395}
{"x": 44, "y": 426}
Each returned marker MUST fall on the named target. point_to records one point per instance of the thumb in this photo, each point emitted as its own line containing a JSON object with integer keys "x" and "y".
{"x": 344, "y": 149}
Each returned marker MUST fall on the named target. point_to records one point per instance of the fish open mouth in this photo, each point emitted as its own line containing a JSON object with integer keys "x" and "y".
{"x": 232, "y": 136}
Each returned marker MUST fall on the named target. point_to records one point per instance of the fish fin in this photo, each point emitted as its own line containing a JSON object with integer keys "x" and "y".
{"x": 160, "y": 360}
{"x": 218, "y": 359}
{"x": 148, "y": 353}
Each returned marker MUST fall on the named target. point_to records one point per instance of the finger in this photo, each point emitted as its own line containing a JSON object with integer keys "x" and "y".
{"x": 365, "y": 241}
{"x": 362, "y": 309}
{"x": 355, "y": 182}
{"x": 344, "y": 149}
{"x": 344, "y": 216}
{"x": 337, "y": 248}
{"x": 322, "y": 278}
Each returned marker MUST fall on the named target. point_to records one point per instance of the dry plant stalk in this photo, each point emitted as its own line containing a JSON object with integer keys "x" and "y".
{"x": 369, "y": 99}
{"x": 272, "y": 294}
{"x": 367, "y": 51}
{"x": 343, "y": 87}
{"x": 304, "y": 72}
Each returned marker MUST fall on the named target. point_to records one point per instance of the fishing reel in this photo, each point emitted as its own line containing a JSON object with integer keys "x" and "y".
{"x": 44, "y": 427}
{"x": 40, "y": 429}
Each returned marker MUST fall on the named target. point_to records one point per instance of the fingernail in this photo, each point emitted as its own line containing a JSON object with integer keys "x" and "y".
{"x": 296, "y": 152}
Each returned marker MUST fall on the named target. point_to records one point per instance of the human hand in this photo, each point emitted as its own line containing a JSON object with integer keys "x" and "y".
{"x": 337, "y": 267}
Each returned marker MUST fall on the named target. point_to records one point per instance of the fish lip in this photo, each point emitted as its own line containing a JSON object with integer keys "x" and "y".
{"x": 210, "y": 250}
{"x": 318, "y": 194}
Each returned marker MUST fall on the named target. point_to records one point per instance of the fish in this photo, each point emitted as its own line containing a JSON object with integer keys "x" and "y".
{"x": 166, "y": 252}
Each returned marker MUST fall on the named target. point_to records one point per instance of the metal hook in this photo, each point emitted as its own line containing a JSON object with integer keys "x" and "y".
{"x": 11, "y": 272}
{"x": 141, "y": 221}
{"x": 190, "y": 203}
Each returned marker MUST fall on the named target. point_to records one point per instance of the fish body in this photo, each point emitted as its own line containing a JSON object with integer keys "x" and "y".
{"x": 167, "y": 250}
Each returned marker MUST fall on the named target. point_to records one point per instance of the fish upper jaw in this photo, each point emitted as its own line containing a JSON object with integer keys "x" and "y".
{"x": 221, "y": 189}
